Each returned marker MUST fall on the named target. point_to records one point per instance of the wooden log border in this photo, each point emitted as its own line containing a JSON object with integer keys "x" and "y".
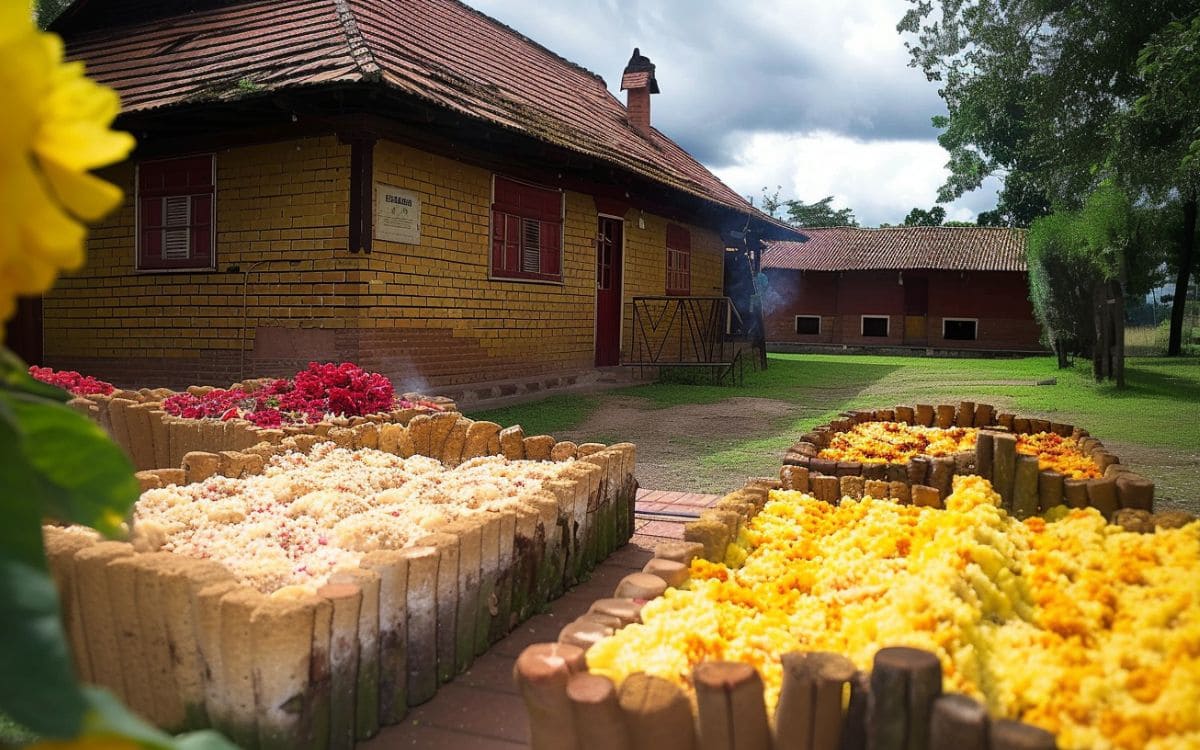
{"x": 154, "y": 439}
{"x": 898, "y": 703}
{"x": 372, "y": 642}
{"x": 927, "y": 481}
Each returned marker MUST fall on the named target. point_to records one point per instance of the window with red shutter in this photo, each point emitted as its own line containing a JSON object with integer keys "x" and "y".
{"x": 527, "y": 225}
{"x": 679, "y": 261}
{"x": 175, "y": 214}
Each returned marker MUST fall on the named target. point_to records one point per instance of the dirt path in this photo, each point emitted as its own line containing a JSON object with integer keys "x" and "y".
{"x": 672, "y": 441}
{"x": 713, "y": 448}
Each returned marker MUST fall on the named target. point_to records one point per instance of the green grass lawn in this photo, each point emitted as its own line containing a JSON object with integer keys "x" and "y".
{"x": 1154, "y": 423}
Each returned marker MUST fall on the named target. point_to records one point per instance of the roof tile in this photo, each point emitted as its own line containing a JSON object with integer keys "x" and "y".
{"x": 901, "y": 248}
{"x": 438, "y": 50}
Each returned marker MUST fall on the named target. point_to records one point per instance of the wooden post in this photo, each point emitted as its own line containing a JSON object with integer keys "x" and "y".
{"x": 237, "y": 664}
{"x": 343, "y": 661}
{"x": 658, "y": 714}
{"x": 825, "y": 488}
{"x": 1005, "y": 467}
{"x": 984, "y": 455}
{"x": 281, "y": 634}
{"x": 941, "y": 474}
{"x": 809, "y": 713}
{"x": 905, "y": 414}
{"x": 729, "y": 697}
{"x": 674, "y": 573}
{"x": 1006, "y": 734}
{"x": 1102, "y": 495}
{"x": 488, "y": 606}
{"x": 984, "y": 414}
{"x": 421, "y": 608}
{"x": 541, "y": 674}
{"x": 904, "y": 684}
{"x": 366, "y": 687}
{"x": 924, "y": 415}
{"x": 392, "y": 568}
{"x": 958, "y": 723}
{"x": 599, "y": 721}
{"x": 1135, "y": 491}
{"x": 1050, "y": 490}
{"x": 1025, "y": 487}
{"x": 1076, "y": 493}
{"x": 926, "y": 497}
{"x": 945, "y": 416}
{"x": 965, "y": 415}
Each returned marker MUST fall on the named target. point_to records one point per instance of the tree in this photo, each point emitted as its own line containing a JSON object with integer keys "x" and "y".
{"x": 48, "y": 10}
{"x": 1159, "y": 143}
{"x": 771, "y": 202}
{"x": 819, "y": 214}
{"x": 919, "y": 217}
{"x": 1037, "y": 91}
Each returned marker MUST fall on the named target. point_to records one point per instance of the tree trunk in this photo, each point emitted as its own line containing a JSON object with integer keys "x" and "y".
{"x": 1060, "y": 349}
{"x": 1117, "y": 309}
{"x": 1186, "y": 253}
{"x": 1100, "y": 348}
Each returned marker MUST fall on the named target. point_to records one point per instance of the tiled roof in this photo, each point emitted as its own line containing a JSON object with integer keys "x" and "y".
{"x": 440, "y": 51}
{"x": 901, "y": 248}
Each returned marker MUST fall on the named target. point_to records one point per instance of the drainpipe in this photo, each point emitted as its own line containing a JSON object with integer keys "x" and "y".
{"x": 245, "y": 287}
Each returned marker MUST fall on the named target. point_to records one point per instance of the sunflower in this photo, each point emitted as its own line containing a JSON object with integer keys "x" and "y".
{"x": 55, "y": 128}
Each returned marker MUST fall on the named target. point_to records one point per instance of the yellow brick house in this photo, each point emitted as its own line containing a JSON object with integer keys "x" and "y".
{"x": 409, "y": 185}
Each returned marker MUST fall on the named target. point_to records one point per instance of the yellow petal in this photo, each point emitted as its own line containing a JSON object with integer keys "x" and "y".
{"x": 84, "y": 195}
{"x": 16, "y": 18}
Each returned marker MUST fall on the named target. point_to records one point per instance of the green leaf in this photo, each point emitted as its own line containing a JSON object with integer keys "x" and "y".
{"x": 37, "y": 688}
{"x": 15, "y": 376}
{"x": 21, "y": 532}
{"x": 83, "y": 476}
{"x": 107, "y": 717}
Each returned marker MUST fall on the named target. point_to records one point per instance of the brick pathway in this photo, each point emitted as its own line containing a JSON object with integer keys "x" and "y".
{"x": 480, "y": 710}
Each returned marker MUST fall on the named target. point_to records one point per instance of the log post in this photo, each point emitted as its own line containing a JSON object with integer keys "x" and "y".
{"x": 658, "y": 714}
{"x": 599, "y": 721}
{"x": 809, "y": 713}
{"x": 392, "y": 568}
{"x": 1004, "y": 467}
{"x": 541, "y": 674}
{"x": 1025, "y": 487}
{"x": 1050, "y": 490}
{"x": 421, "y": 626}
{"x": 904, "y": 684}
{"x": 958, "y": 723}
{"x": 729, "y": 697}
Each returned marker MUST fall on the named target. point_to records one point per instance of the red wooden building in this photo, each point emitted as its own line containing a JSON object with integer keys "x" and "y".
{"x": 927, "y": 288}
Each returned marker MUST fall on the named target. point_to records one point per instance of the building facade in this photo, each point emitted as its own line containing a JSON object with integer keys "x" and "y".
{"x": 942, "y": 289}
{"x": 416, "y": 188}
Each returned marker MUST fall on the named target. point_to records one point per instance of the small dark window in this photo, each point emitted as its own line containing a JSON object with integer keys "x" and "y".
{"x": 808, "y": 325}
{"x": 875, "y": 326}
{"x": 175, "y": 214}
{"x": 959, "y": 330}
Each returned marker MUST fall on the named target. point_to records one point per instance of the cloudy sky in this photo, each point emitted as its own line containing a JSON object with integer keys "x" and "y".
{"x": 815, "y": 96}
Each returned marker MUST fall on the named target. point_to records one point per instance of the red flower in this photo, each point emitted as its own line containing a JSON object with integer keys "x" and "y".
{"x": 71, "y": 381}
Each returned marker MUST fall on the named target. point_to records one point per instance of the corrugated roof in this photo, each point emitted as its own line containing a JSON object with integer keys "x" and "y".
{"x": 901, "y": 248}
{"x": 438, "y": 50}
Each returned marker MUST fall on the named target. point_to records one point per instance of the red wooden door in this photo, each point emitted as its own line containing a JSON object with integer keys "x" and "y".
{"x": 609, "y": 242}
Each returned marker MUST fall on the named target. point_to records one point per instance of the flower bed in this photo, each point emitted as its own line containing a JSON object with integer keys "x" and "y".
{"x": 303, "y": 593}
{"x": 72, "y": 382}
{"x": 897, "y": 442}
{"x": 912, "y": 454}
{"x": 156, "y": 428}
{"x": 1081, "y": 628}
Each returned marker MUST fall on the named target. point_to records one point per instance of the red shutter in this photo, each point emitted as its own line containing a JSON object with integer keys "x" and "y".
{"x": 173, "y": 180}
{"x": 516, "y": 204}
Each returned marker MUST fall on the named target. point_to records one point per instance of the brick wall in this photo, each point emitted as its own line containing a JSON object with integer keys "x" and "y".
{"x": 998, "y": 301}
{"x": 426, "y": 314}
{"x": 279, "y": 202}
{"x": 438, "y": 317}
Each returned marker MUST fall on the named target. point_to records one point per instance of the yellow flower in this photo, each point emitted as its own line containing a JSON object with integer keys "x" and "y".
{"x": 53, "y": 130}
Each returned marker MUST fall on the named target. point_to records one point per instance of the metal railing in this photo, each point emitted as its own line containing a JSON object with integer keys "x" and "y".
{"x": 687, "y": 332}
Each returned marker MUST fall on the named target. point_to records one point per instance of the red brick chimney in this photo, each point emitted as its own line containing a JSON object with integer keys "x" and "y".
{"x": 638, "y": 79}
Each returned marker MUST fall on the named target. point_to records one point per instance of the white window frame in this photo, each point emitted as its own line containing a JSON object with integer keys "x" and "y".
{"x": 862, "y": 326}
{"x": 796, "y": 324}
{"x": 960, "y": 320}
